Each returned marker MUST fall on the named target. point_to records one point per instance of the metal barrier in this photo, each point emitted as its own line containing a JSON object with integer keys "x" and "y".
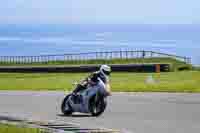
{"x": 88, "y": 56}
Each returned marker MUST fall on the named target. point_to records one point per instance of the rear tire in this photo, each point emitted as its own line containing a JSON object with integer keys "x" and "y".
{"x": 65, "y": 111}
{"x": 97, "y": 107}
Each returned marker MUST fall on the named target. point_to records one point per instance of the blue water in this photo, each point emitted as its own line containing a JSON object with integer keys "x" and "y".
{"x": 181, "y": 40}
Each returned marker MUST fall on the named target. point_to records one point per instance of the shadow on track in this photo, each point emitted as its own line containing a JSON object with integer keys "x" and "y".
{"x": 75, "y": 115}
{"x": 7, "y": 118}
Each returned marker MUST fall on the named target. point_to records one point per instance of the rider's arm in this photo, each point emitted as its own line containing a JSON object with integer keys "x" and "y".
{"x": 86, "y": 80}
{"x": 93, "y": 78}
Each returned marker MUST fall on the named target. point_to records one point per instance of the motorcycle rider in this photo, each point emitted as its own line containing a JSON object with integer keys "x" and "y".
{"x": 103, "y": 74}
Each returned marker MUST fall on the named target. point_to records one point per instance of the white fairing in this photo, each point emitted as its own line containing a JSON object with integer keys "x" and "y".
{"x": 86, "y": 95}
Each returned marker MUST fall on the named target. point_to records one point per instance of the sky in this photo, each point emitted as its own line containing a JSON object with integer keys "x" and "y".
{"x": 99, "y": 12}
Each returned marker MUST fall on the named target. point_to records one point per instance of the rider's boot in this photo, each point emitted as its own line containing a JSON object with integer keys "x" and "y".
{"x": 76, "y": 90}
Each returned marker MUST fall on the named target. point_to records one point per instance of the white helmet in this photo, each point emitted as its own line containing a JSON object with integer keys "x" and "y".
{"x": 105, "y": 70}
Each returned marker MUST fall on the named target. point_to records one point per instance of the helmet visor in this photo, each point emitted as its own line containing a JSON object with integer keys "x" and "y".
{"x": 106, "y": 72}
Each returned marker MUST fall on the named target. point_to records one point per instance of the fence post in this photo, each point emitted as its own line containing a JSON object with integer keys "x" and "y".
{"x": 6, "y": 59}
{"x": 96, "y": 56}
{"x": 111, "y": 55}
{"x": 131, "y": 54}
{"x": 151, "y": 54}
{"x": 18, "y": 60}
{"x": 24, "y": 59}
{"x": 31, "y": 57}
{"x": 21, "y": 59}
{"x": 28, "y": 59}
{"x": 3, "y": 59}
{"x": 143, "y": 54}
{"x": 9, "y": 60}
{"x": 39, "y": 59}
{"x": 138, "y": 54}
{"x": 13, "y": 59}
{"x": 47, "y": 58}
{"x": 120, "y": 54}
{"x": 126, "y": 52}
{"x": 185, "y": 59}
{"x": 189, "y": 60}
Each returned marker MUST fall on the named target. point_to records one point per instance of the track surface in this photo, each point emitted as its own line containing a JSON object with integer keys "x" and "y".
{"x": 135, "y": 112}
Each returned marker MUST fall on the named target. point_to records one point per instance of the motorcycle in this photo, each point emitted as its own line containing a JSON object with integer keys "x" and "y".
{"x": 92, "y": 100}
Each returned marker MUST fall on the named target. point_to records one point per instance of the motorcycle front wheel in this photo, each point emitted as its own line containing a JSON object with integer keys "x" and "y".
{"x": 65, "y": 106}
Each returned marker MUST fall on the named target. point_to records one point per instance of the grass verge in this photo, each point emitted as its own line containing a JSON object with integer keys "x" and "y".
{"x": 175, "y": 64}
{"x": 197, "y": 68}
{"x": 5, "y": 128}
{"x": 184, "y": 81}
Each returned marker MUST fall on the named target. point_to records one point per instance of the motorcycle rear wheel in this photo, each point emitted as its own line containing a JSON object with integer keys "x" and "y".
{"x": 97, "y": 107}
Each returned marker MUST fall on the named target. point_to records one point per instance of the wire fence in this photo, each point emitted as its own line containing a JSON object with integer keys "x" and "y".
{"x": 89, "y": 56}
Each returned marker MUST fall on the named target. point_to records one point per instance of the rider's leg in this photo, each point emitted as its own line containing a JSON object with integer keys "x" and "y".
{"x": 78, "y": 88}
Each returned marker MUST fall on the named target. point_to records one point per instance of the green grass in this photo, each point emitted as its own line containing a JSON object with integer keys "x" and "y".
{"x": 5, "y": 128}
{"x": 175, "y": 64}
{"x": 197, "y": 68}
{"x": 184, "y": 81}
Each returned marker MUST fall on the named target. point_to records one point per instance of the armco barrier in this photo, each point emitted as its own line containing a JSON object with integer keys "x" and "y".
{"x": 88, "y": 68}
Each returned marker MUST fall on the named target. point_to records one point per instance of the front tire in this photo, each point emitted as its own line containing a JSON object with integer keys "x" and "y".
{"x": 65, "y": 106}
{"x": 97, "y": 107}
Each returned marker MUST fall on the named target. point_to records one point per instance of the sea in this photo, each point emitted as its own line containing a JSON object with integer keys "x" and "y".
{"x": 44, "y": 39}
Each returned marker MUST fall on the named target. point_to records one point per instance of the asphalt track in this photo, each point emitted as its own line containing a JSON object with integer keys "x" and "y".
{"x": 135, "y": 112}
